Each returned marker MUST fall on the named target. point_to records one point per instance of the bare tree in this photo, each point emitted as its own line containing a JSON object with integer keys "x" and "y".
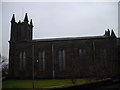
{"x": 3, "y": 65}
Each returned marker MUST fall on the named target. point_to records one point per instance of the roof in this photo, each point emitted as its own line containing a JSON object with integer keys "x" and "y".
{"x": 71, "y": 38}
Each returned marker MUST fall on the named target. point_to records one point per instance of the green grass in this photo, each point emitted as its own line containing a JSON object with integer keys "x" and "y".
{"x": 40, "y": 83}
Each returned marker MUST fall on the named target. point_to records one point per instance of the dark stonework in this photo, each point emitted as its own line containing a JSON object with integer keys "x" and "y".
{"x": 95, "y": 56}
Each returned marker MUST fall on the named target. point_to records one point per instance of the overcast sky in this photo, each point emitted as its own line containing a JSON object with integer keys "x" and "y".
{"x": 61, "y": 19}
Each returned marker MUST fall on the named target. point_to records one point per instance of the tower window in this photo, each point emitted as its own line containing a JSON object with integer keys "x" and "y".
{"x": 22, "y": 60}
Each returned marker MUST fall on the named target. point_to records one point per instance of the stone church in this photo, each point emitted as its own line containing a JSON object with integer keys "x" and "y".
{"x": 75, "y": 57}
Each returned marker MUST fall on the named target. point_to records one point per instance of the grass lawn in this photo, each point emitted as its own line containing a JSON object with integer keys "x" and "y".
{"x": 41, "y": 83}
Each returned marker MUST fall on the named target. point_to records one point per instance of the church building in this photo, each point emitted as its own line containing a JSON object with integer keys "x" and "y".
{"x": 75, "y": 57}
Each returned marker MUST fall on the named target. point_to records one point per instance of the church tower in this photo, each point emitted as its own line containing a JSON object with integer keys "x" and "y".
{"x": 20, "y": 32}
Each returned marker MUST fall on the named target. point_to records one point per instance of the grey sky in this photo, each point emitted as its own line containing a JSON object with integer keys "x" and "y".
{"x": 119, "y": 19}
{"x": 61, "y": 19}
{"x": 0, "y": 27}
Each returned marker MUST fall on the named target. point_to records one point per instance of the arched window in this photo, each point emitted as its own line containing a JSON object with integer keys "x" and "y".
{"x": 62, "y": 63}
{"x": 22, "y": 60}
{"x": 80, "y": 51}
{"x": 42, "y": 60}
{"x": 103, "y": 57}
{"x": 82, "y": 56}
